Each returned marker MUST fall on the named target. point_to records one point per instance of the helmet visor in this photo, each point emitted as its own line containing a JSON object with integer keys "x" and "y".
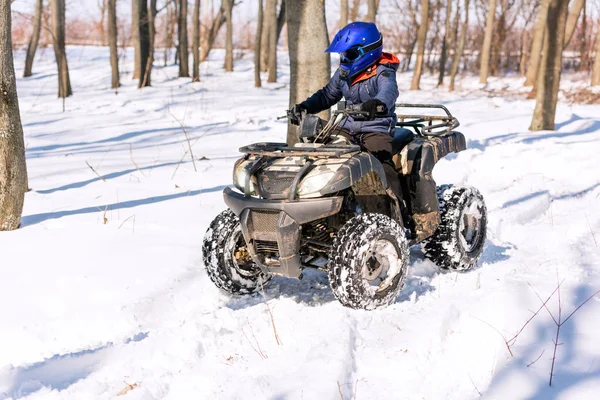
{"x": 352, "y": 55}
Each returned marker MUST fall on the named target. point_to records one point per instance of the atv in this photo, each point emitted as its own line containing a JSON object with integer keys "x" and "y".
{"x": 324, "y": 203}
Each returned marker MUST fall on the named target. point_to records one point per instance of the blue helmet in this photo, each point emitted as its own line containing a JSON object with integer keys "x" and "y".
{"x": 360, "y": 45}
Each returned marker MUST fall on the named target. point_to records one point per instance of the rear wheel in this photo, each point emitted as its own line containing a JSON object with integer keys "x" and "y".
{"x": 458, "y": 241}
{"x": 226, "y": 258}
{"x": 368, "y": 261}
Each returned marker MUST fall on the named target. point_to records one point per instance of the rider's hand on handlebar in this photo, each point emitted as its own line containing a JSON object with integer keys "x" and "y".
{"x": 375, "y": 108}
{"x": 296, "y": 113}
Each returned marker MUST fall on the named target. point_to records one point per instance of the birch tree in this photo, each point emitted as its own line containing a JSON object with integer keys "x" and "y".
{"x": 35, "y": 38}
{"x": 13, "y": 170}
{"x": 309, "y": 65}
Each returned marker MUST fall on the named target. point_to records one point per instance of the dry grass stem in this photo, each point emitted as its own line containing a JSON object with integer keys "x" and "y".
{"x": 340, "y": 390}
{"x": 255, "y": 346}
{"x": 133, "y": 160}
{"x": 187, "y": 138}
{"x": 97, "y": 174}
{"x": 536, "y": 360}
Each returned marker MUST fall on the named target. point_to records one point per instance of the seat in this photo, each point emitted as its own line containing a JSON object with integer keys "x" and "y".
{"x": 402, "y": 137}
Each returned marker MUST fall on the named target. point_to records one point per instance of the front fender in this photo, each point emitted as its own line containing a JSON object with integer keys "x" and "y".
{"x": 352, "y": 170}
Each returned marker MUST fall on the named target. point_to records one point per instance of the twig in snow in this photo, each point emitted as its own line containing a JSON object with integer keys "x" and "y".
{"x": 187, "y": 138}
{"x": 499, "y": 333}
{"x": 536, "y": 360}
{"x": 104, "y": 214}
{"x": 340, "y": 390}
{"x": 92, "y": 168}
{"x": 133, "y": 160}
{"x": 591, "y": 231}
{"x": 262, "y": 290}
{"x": 257, "y": 349}
{"x": 355, "y": 387}
{"x": 128, "y": 218}
{"x": 474, "y": 385}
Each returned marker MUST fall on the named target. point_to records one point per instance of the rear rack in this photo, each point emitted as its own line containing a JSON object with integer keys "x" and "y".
{"x": 282, "y": 150}
{"x": 424, "y": 124}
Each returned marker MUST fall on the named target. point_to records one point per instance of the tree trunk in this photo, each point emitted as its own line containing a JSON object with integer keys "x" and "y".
{"x": 112, "y": 43}
{"x": 460, "y": 49}
{"x": 550, "y": 68}
{"x": 169, "y": 32}
{"x": 147, "y": 68}
{"x": 572, "y": 19}
{"x": 144, "y": 35}
{"x": 310, "y": 67}
{"x": 280, "y": 19}
{"x": 445, "y": 43}
{"x": 13, "y": 170}
{"x": 208, "y": 40}
{"x": 421, "y": 38}
{"x": 269, "y": 10}
{"x": 596, "y": 67}
{"x": 372, "y": 6}
{"x": 102, "y": 5}
{"x": 354, "y": 10}
{"x": 537, "y": 44}
{"x": 58, "y": 33}
{"x": 487, "y": 43}
{"x": 257, "y": 45}
{"x": 196, "y": 41}
{"x": 343, "y": 13}
{"x": 135, "y": 36}
{"x": 184, "y": 60}
{"x": 228, "y": 65}
{"x": 583, "y": 53}
{"x": 35, "y": 37}
{"x": 271, "y": 14}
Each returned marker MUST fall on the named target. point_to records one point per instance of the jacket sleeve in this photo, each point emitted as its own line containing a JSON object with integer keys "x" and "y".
{"x": 326, "y": 97}
{"x": 387, "y": 88}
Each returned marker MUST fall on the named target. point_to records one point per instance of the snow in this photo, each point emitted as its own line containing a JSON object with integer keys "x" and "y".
{"x": 92, "y": 305}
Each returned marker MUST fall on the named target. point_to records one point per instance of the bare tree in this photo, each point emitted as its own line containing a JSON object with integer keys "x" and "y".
{"x": 206, "y": 42}
{"x": 151, "y": 27}
{"x": 355, "y": 10}
{"x": 596, "y": 67}
{"x": 228, "y": 6}
{"x": 13, "y": 170}
{"x": 182, "y": 48}
{"x": 572, "y": 18}
{"x": 169, "y": 30}
{"x": 550, "y": 68}
{"x": 487, "y": 43}
{"x": 145, "y": 51}
{"x": 257, "y": 45}
{"x": 271, "y": 15}
{"x": 446, "y": 41}
{"x": 35, "y": 38}
{"x": 102, "y": 5}
{"x": 280, "y": 19}
{"x": 309, "y": 65}
{"x": 372, "y": 6}
{"x": 135, "y": 36}
{"x": 196, "y": 41}
{"x": 421, "y": 38}
{"x": 343, "y": 13}
{"x": 265, "y": 38}
{"x": 537, "y": 44}
{"x": 460, "y": 47}
{"x": 58, "y": 36}
{"x": 112, "y": 42}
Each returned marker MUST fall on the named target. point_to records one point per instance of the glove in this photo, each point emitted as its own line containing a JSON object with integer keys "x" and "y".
{"x": 375, "y": 108}
{"x": 295, "y": 114}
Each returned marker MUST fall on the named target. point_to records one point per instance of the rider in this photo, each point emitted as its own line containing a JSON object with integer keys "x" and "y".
{"x": 366, "y": 76}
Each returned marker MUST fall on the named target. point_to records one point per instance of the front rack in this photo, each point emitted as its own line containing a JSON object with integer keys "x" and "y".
{"x": 424, "y": 124}
{"x": 282, "y": 150}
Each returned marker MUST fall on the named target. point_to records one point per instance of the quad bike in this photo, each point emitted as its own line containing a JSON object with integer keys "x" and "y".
{"x": 324, "y": 203}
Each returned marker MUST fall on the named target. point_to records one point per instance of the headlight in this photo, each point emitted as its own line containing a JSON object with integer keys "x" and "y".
{"x": 311, "y": 185}
{"x": 240, "y": 177}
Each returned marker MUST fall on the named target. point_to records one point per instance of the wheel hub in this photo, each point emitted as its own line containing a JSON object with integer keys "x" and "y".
{"x": 470, "y": 225}
{"x": 382, "y": 265}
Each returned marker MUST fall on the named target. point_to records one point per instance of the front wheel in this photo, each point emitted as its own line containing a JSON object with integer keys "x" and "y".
{"x": 226, "y": 258}
{"x": 458, "y": 242}
{"x": 368, "y": 261}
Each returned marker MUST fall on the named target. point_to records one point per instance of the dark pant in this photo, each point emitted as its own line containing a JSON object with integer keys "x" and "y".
{"x": 380, "y": 145}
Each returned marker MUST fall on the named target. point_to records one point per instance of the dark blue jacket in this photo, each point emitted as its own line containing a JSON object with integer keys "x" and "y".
{"x": 378, "y": 82}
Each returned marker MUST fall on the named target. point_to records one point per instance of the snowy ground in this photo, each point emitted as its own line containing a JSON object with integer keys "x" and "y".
{"x": 103, "y": 290}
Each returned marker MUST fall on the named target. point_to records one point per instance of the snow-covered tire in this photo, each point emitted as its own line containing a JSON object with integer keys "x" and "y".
{"x": 459, "y": 240}
{"x": 222, "y": 240}
{"x": 368, "y": 249}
